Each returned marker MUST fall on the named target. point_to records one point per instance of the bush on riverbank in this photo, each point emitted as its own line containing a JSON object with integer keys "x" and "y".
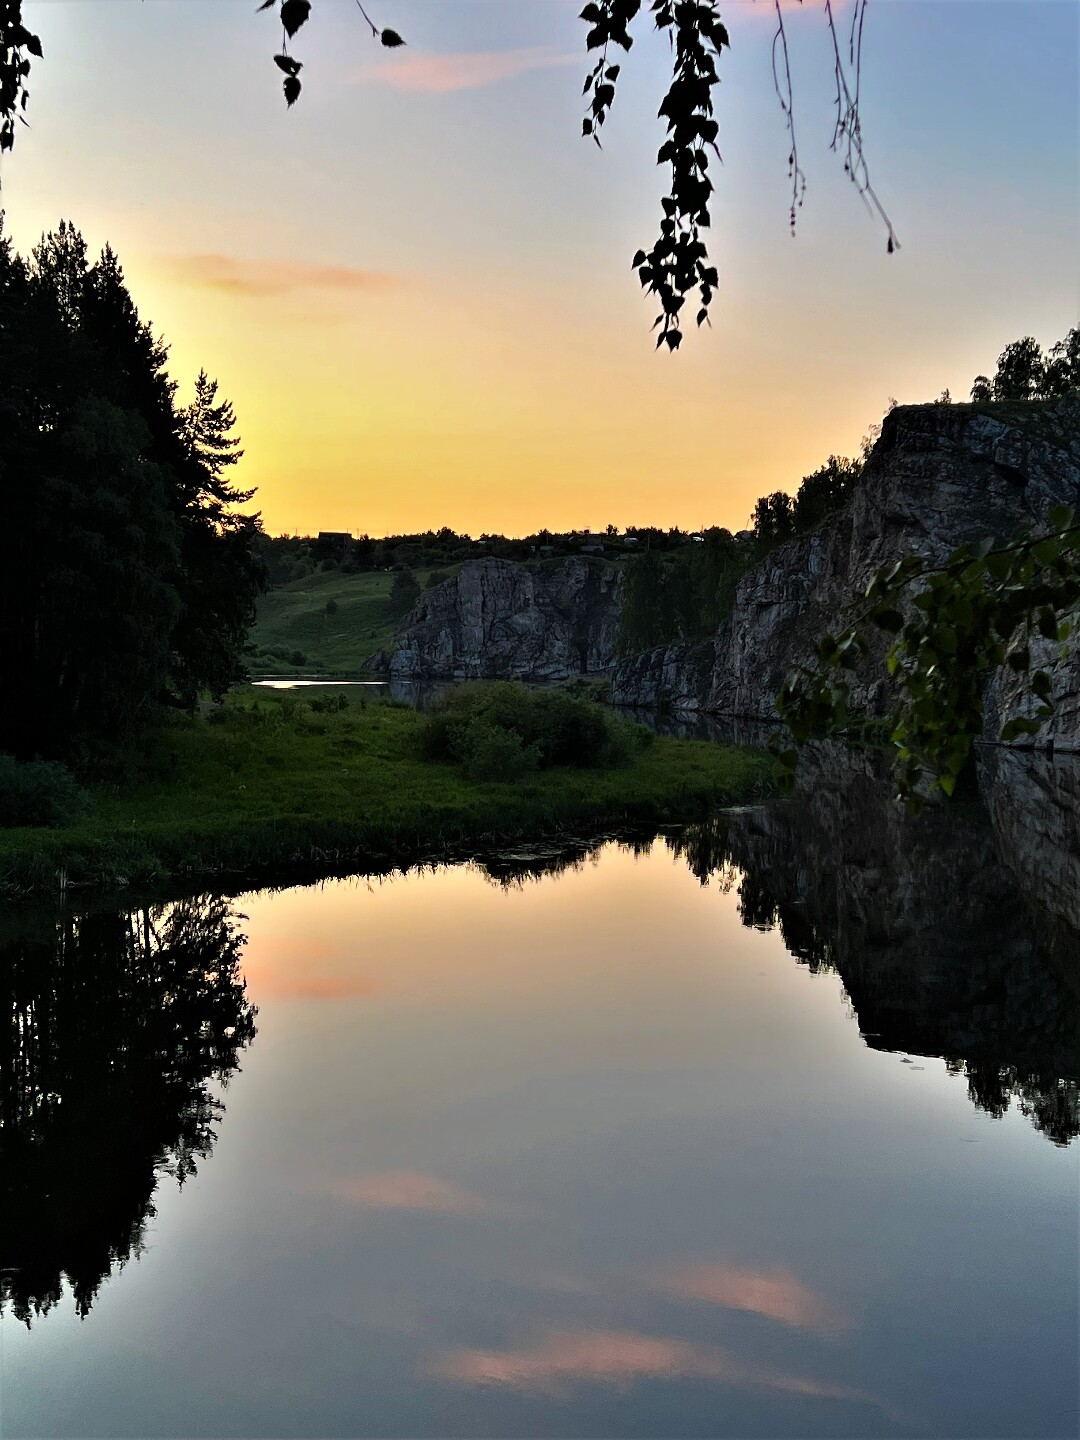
{"x": 38, "y": 792}
{"x": 502, "y": 730}
{"x": 273, "y": 788}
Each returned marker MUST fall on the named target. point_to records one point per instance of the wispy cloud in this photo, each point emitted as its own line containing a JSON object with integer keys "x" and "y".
{"x": 408, "y": 1190}
{"x": 776, "y": 1294}
{"x": 232, "y": 275}
{"x": 563, "y": 1358}
{"x": 465, "y": 70}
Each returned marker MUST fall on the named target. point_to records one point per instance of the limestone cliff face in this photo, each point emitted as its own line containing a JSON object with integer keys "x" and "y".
{"x": 497, "y": 619}
{"x": 940, "y": 475}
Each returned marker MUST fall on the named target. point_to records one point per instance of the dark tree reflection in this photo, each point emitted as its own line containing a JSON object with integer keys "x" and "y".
{"x": 942, "y": 947}
{"x": 114, "y": 1028}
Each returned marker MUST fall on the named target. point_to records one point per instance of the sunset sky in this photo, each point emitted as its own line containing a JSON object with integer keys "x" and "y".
{"x": 415, "y": 286}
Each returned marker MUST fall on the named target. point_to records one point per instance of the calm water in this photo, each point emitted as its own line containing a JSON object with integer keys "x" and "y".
{"x": 763, "y": 1130}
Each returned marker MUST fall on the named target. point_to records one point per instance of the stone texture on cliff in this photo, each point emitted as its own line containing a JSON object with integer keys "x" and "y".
{"x": 939, "y": 476}
{"x": 497, "y": 619}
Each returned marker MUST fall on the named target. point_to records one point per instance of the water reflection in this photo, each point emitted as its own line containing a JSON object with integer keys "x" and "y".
{"x": 943, "y": 948}
{"x": 115, "y": 1025}
{"x": 559, "y": 1142}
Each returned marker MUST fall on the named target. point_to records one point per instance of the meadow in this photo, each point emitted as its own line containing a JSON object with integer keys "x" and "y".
{"x": 274, "y": 787}
{"x": 325, "y": 624}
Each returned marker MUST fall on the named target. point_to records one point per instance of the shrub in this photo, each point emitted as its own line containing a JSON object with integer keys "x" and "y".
{"x": 38, "y": 792}
{"x": 329, "y": 704}
{"x": 554, "y": 726}
{"x": 494, "y": 754}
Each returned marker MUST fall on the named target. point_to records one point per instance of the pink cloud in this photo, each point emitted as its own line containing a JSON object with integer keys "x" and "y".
{"x": 260, "y": 278}
{"x": 620, "y": 1358}
{"x": 408, "y": 1190}
{"x": 776, "y": 1294}
{"x": 439, "y": 74}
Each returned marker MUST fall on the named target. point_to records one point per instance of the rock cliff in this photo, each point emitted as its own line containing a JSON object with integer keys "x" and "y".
{"x": 497, "y": 619}
{"x": 940, "y": 475}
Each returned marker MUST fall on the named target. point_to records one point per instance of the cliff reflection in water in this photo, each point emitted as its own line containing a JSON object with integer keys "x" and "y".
{"x": 115, "y": 1025}
{"x": 944, "y": 949}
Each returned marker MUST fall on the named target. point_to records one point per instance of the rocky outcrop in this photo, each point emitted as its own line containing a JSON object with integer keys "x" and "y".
{"x": 497, "y": 619}
{"x": 939, "y": 476}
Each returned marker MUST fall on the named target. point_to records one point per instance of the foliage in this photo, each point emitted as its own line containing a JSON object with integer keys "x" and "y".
{"x": 17, "y": 44}
{"x": 988, "y": 605}
{"x": 129, "y": 573}
{"x": 774, "y": 520}
{"x": 504, "y": 726}
{"x": 779, "y": 517}
{"x": 38, "y": 792}
{"x": 684, "y": 596}
{"x": 492, "y": 753}
{"x": 404, "y": 593}
{"x": 275, "y": 789}
{"x": 825, "y": 491}
{"x": 1026, "y": 372}
{"x": 677, "y": 263}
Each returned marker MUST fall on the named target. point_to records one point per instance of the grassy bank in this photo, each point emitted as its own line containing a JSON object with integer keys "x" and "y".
{"x": 270, "y": 788}
{"x": 325, "y": 624}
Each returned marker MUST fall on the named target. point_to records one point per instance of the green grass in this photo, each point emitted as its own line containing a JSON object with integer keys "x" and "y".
{"x": 271, "y": 790}
{"x": 293, "y": 620}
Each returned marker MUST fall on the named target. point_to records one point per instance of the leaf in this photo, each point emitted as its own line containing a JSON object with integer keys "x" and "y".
{"x": 1041, "y": 684}
{"x": 638, "y": 260}
{"x": 891, "y": 621}
{"x": 294, "y": 13}
{"x": 1062, "y": 517}
{"x": 999, "y": 565}
{"x": 1019, "y": 726}
{"x": 266, "y": 5}
{"x": 1047, "y": 623}
{"x": 390, "y": 38}
{"x": 33, "y": 44}
{"x": 288, "y": 64}
{"x": 291, "y": 88}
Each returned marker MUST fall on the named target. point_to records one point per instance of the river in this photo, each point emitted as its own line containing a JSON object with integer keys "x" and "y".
{"x": 763, "y": 1128}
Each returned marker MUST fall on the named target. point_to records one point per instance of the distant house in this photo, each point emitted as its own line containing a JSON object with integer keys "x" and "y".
{"x": 593, "y": 549}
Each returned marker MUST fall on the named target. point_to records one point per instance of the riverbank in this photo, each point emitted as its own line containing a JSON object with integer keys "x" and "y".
{"x": 269, "y": 788}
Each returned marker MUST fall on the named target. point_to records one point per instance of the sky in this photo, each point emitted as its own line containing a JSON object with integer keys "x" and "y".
{"x": 415, "y": 286}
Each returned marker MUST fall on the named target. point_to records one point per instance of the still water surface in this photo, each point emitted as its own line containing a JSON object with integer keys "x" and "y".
{"x": 579, "y": 1153}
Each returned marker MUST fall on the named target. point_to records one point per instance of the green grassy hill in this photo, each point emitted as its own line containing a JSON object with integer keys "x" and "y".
{"x": 294, "y": 634}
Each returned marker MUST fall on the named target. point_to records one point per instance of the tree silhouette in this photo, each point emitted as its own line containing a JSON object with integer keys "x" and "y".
{"x": 130, "y": 573}
{"x": 1024, "y": 372}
